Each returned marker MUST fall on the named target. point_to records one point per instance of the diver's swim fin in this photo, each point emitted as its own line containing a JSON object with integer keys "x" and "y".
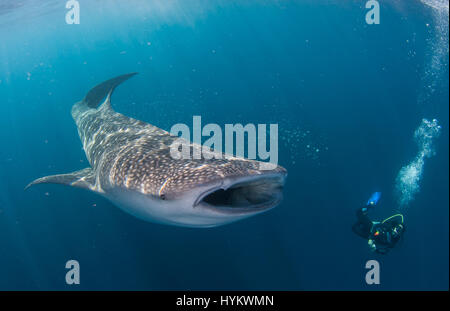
{"x": 374, "y": 199}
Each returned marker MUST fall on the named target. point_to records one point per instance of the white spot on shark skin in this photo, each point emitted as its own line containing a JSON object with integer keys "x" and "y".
{"x": 201, "y": 167}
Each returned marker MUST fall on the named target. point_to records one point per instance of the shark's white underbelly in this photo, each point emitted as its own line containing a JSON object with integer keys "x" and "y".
{"x": 171, "y": 213}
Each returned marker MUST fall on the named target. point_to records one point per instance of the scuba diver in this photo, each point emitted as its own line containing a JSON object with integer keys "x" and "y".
{"x": 381, "y": 236}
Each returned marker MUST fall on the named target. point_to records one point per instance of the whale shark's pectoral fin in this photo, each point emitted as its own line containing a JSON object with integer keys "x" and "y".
{"x": 84, "y": 178}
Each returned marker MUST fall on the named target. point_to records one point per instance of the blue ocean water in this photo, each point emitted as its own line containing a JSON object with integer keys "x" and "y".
{"x": 347, "y": 97}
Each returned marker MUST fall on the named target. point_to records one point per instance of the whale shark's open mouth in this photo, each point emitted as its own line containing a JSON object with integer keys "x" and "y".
{"x": 248, "y": 194}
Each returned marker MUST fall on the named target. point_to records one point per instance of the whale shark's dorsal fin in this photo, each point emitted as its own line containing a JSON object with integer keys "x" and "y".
{"x": 84, "y": 178}
{"x": 99, "y": 92}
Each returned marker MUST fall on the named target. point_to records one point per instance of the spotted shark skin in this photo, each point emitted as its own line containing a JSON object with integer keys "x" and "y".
{"x": 131, "y": 165}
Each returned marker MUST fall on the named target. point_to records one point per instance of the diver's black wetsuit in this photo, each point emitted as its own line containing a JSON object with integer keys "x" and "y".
{"x": 382, "y": 234}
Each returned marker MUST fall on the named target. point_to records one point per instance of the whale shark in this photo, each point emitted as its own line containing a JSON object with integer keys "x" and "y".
{"x": 131, "y": 165}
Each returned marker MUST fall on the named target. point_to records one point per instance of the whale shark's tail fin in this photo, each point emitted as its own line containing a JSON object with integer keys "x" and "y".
{"x": 99, "y": 92}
